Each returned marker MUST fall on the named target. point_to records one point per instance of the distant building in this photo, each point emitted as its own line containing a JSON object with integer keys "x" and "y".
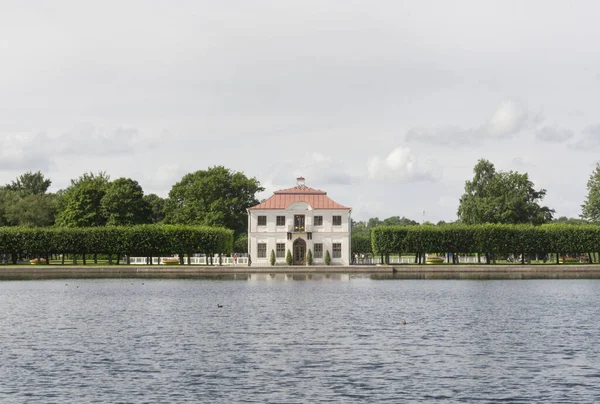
{"x": 299, "y": 219}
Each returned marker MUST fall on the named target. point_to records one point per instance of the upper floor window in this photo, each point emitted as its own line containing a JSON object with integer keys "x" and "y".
{"x": 262, "y": 220}
{"x": 280, "y": 220}
{"x": 318, "y": 220}
{"x": 337, "y": 220}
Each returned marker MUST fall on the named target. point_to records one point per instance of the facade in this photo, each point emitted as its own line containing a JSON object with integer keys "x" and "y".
{"x": 299, "y": 219}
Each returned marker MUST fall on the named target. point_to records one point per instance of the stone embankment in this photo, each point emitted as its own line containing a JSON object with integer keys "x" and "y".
{"x": 399, "y": 271}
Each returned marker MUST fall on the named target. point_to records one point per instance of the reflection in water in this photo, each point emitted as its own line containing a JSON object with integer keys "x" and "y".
{"x": 298, "y": 277}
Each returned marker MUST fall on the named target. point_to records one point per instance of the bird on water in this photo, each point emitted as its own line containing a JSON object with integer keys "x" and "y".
{"x": 404, "y": 322}
{"x": 219, "y": 306}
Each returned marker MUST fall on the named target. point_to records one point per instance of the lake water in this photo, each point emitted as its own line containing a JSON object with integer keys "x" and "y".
{"x": 287, "y": 340}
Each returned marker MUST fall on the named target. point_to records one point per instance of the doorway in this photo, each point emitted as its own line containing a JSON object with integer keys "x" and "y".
{"x": 299, "y": 252}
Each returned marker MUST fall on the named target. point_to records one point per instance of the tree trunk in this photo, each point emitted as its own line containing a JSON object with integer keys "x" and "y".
{"x": 95, "y": 258}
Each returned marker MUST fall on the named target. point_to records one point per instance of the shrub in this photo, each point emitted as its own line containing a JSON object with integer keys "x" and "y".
{"x": 170, "y": 261}
{"x": 288, "y": 258}
{"x": 327, "y": 258}
{"x": 309, "y": 259}
{"x": 272, "y": 258}
{"x": 38, "y": 261}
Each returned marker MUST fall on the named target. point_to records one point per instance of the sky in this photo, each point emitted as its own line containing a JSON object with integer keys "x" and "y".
{"x": 386, "y": 105}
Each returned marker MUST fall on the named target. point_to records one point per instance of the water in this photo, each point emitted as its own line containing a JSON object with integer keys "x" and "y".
{"x": 340, "y": 339}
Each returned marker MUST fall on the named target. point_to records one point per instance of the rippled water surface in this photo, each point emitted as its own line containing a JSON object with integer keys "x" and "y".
{"x": 289, "y": 341}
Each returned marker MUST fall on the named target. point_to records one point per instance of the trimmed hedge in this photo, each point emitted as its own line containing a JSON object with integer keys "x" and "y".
{"x": 492, "y": 239}
{"x": 143, "y": 240}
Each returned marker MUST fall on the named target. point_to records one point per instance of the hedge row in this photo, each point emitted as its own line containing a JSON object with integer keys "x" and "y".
{"x": 143, "y": 240}
{"x": 488, "y": 238}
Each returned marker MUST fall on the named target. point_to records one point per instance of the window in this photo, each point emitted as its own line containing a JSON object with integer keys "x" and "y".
{"x": 337, "y": 220}
{"x": 262, "y": 220}
{"x": 299, "y": 223}
{"x": 280, "y": 250}
{"x": 318, "y": 220}
{"x": 318, "y": 250}
{"x": 337, "y": 250}
{"x": 280, "y": 220}
{"x": 262, "y": 250}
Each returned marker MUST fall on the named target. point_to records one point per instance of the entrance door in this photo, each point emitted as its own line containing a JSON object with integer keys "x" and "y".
{"x": 299, "y": 252}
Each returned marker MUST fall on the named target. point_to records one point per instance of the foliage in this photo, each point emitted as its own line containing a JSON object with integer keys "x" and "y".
{"x": 79, "y": 204}
{"x": 361, "y": 243}
{"x": 157, "y": 208}
{"x": 309, "y": 257}
{"x": 123, "y": 203}
{"x": 327, "y": 258}
{"x": 240, "y": 244}
{"x": 28, "y": 210}
{"x": 272, "y": 258}
{"x": 30, "y": 184}
{"x": 501, "y": 197}
{"x": 143, "y": 240}
{"x": 590, "y": 210}
{"x": 213, "y": 197}
{"x": 569, "y": 220}
{"x": 486, "y": 238}
{"x": 288, "y": 258}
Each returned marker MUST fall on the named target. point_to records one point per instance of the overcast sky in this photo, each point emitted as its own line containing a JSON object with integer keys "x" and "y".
{"x": 386, "y": 105}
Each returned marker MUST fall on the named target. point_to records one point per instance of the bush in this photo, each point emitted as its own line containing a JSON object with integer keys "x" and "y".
{"x": 170, "y": 261}
{"x": 309, "y": 259}
{"x": 272, "y": 258}
{"x": 288, "y": 258}
{"x": 327, "y": 258}
{"x": 38, "y": 261}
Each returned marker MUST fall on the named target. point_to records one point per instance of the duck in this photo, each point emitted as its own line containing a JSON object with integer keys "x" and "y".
{"x": 404, "y": 322}
{"x": 220, "y": 306}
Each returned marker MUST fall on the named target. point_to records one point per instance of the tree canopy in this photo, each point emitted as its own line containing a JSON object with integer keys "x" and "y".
{"x": 590, "y": 210}
{"x": 80, "y": 203}
{"x": 213, "y": 197}
{"x": 501, "y": 197}
{"x": 123, "y": 203}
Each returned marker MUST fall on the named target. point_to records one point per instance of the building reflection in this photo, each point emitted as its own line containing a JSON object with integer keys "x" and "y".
{"x": 268, "y": 277}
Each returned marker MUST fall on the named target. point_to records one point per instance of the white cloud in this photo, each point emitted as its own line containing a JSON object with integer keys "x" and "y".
{"x": 317, "y": 168}
{"x": 401, "y": 166}
{"x": 508, "y": 119}
{"x": 554, "y": 134}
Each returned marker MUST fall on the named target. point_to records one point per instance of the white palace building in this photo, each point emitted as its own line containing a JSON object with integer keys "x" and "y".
{"x": 299, "y": 219}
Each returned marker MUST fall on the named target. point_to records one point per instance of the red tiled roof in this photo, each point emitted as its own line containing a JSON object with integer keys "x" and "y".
{"x": 316, "y": 198}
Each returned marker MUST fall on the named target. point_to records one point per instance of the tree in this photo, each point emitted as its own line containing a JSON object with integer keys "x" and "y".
{"x": 157, "y": 207}
{"x": 123, "y": 203}
{"x": 327, "y": 258}
{"x": 30, "y": 184}
{"x": 590, "y": 210}
{"x": 272, "y": 258}
{"x": 309, "y": 257}
{"x": 399, "y": 221}
{"x": 213, "y": 197}
{"x": 501, "y": 197}
{"x": 569, "y": 220}
{"x": 288, "y": 258}
{"x": 80, "y": 203}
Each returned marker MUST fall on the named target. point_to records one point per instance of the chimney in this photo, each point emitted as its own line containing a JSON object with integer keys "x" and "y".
{"x": 300, "y": 181}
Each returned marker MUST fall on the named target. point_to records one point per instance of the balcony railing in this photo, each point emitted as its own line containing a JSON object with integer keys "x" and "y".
{"x": 300, "y": 229}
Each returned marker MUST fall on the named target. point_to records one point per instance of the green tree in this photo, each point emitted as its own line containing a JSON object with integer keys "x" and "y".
{"x": 123, "y": 203}
{"x": 157, "y": 207}
{"x": 327, "y": 258}
{"x": 309, "y": 257}
{"x": 399, "y": 221}
{"x": 33, "y": 210}
{"x": 288, "y": 258}
{"x": 272, "y": 258}
{"x": 30, "y": 184}
{"x": 569, "y": 220}
{"x": 80, "y": 204}
{"x": 590, "y": 210}
{"x": 501, "y": 197}
{"x": 213, "y": 197}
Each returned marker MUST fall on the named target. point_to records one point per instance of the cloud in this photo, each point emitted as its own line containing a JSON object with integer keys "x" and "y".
{"x": 24, "y": 151}
{"x": 401, "y": 166}
{"x": 554, "y": 134}
{"x": 589, "y": 139}
{"x": 507, "y": 120}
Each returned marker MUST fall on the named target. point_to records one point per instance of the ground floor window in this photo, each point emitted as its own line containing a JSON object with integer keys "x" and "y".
{"x": 280, "y": 250}
{"x": 262, "y": 250}
{"x": 318, "y": 250}
{"x": 337, "y": 250}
